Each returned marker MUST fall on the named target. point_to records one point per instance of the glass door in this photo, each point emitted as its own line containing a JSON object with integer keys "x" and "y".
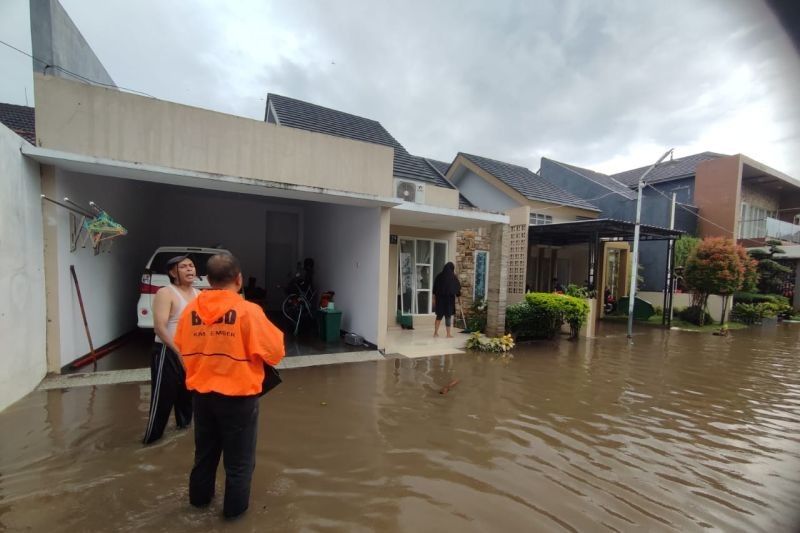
{"x": 407, "y": 285}
{"x": 419, "y": 262}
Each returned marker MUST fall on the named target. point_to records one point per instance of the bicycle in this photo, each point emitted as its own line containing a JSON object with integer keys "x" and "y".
{"x": 296, "y": 303}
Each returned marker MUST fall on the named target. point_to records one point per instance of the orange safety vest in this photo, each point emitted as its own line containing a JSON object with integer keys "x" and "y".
{"x": 224, "y": 341}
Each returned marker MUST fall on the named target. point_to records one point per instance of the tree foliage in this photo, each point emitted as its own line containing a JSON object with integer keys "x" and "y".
{"x": 718, "y": 266}
{"x": 771, "y": 273}
{"x": 684, "y": 248}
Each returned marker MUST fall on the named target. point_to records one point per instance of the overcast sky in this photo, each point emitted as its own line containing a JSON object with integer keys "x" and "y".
{"x": 609, "y": 85}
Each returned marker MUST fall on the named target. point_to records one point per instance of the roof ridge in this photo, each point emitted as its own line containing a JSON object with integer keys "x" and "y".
{"x": 496, "y": 161}
{"x": 576, "y": 167}
{"x": 674, "y": 160}
{"x": 17, "y": 105}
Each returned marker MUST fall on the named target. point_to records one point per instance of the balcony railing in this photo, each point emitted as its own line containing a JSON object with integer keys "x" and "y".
{"x": 769, "y": 228}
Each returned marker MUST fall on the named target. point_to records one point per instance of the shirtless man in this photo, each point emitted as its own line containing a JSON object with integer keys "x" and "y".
{"x": 168, "y": 376}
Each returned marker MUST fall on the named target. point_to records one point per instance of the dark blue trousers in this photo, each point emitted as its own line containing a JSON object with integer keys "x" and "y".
{"x": 227, "y": 426}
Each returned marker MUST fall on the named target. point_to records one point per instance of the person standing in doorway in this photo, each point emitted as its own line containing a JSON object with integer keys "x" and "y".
{"x": 167, "y": 375}
{"x": 225, "y": 341}
{"x": 445, "y": 290}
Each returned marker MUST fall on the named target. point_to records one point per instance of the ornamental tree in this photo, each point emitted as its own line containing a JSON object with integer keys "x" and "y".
{"x": 771, "y": 272}
{"x": 718, "y": 266}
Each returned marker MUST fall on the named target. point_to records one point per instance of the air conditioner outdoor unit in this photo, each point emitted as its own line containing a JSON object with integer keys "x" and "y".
{"x": 410, "y": 191}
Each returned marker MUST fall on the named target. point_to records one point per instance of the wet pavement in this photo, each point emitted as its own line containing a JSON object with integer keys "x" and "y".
{"x": 678, "y": 432}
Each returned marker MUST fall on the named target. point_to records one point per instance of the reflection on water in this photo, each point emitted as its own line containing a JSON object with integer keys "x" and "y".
{"x": 679, "y": 431}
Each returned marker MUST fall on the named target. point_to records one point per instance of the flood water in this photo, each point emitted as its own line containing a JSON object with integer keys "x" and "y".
{"x": 680, "y": 431}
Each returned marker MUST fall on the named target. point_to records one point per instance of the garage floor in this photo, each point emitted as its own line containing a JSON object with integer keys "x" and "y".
{"x": 135, "y": 352}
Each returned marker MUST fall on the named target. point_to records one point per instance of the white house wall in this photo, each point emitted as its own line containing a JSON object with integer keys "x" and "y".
{"x": 482, "y": 194}
{"x": 109, "y": 282}
{"x": 22, "y": 307}
{"x": 345, "y": 243}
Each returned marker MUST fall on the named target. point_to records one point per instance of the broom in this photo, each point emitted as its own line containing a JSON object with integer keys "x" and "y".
{"x": 463, "y": 320}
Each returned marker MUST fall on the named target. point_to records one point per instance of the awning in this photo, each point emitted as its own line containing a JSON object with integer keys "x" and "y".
{"x": 603, "y": 229}
{"x": 203, "y": 180}
{"x": 442, "y": 218}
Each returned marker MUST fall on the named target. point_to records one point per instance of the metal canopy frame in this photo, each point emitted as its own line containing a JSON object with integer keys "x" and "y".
{"x": 595, "y": 232}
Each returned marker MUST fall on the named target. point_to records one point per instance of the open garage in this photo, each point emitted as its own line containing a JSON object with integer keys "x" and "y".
{"x": 271, "y": 235}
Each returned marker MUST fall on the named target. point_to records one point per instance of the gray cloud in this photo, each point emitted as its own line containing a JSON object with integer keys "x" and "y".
{"x": 591, "y": 83}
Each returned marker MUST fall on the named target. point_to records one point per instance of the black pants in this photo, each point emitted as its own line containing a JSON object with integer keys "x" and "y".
{"x": 168, "y": 389}
{"x": 225, "y": 425}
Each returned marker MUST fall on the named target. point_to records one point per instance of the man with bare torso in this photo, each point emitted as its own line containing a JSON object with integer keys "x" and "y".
{"x": 168, "y": 376}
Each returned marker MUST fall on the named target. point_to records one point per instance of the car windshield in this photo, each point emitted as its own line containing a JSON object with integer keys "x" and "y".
{"x": 159, "y": 263}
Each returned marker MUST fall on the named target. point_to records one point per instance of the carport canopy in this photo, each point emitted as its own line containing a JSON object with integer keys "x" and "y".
{"x": 603, "y": 229}
{"x": 594, "y": 232}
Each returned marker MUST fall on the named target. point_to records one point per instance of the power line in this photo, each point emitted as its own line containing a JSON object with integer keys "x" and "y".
{"x": 558, "y": 206}
{"x": 692, "y": 212}
{"x": 84, "y": 78}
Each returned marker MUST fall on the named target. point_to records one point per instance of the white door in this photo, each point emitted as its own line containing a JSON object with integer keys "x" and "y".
{"x": 419, "y": 261}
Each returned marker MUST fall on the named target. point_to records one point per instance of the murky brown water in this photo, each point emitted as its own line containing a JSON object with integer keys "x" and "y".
{"x": 681, "y": 431}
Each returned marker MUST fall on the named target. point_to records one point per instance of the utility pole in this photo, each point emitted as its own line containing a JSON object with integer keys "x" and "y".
{"x": 636, "y": 232}
{"x": 668, "y": 277}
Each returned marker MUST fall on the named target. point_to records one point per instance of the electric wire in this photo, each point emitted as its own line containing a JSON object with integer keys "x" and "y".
{"x": 78, "y": 76}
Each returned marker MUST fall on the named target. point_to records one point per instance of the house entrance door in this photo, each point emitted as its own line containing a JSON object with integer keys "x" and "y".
{"x": 419, "y": 261}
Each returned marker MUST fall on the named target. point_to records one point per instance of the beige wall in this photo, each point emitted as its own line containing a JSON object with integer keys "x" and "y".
{"x": 717, "y": 190}
{"x": 561, "y": 213}
{"x": 106, "y": 123}
{"x": 441, "y": 197}
{"x": 386, "y": 272}
{"x": 682, "y": 300}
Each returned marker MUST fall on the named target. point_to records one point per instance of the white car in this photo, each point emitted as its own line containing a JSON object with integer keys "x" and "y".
{"x": 155, "y": 276}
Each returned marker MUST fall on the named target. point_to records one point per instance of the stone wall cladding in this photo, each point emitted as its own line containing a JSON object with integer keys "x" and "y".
{"x": 758, "y": 197}
{"x": 467, "y": 242}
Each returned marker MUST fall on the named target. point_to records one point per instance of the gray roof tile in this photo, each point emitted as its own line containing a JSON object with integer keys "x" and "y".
{"x": 527, "y": 183}
{"x": 441, "y": 167}
{"x": 20, "y": 120}
{"x": 295, "y": 113}
{"x": 599, "y": 178}
{"x": 682, "y": 167}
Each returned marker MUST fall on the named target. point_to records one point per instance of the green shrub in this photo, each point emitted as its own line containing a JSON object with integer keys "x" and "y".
{"x": 692, "y": 314}
{"x": 577, "y": 292}
{"x": 753, "y": 313}
{"x": 541, "y": 314}
{"x": 479, "y": 341}
{"x": 476, "y": 318}
{"x": 755, "y": 298}
{"x": 778, "y": 305}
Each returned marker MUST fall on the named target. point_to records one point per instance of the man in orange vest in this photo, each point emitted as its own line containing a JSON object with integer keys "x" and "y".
{"x": 224, "y": 342}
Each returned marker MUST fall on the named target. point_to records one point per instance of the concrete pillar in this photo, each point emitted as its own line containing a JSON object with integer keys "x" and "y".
{"x": 498, "y": 280}
{"x": 387, "y": 283}
{"x": 51, "y": 266}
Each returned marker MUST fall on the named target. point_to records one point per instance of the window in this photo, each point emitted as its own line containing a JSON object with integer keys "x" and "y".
{"x": 743, "y": 216}
{"x": 481, "y": 283}
{"x": 538, "y": 219}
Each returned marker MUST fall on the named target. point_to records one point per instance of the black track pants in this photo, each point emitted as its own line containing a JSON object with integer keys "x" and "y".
{"x": 227, "y": 426}
{"x": 168, "y": 389}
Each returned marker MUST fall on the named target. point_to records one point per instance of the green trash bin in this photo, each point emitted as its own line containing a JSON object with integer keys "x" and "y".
{"x": 642, "y": 310}
{"x": 330, "y": 324}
